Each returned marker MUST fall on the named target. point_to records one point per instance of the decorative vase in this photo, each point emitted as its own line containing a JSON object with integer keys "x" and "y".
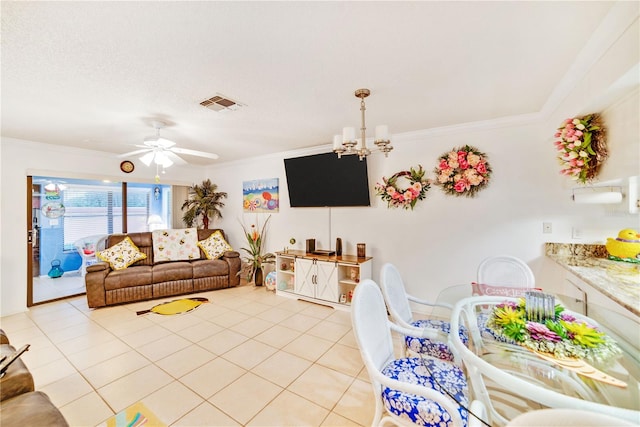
{"x": 257, "y": 277}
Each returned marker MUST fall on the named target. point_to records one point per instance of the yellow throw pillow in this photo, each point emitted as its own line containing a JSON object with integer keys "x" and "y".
{"x": 122, "y": 255}
{"x": 214, "y": 246}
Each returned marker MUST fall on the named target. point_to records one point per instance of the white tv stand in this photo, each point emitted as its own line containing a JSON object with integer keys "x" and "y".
{"x": 322, "y": 279}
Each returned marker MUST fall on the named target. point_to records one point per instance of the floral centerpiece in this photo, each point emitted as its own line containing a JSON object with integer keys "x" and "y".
{"x": 581, "y": 147}
{"x": 255, "y": 258}
{"x": 463, "y": 171}
{"x": 562, "y": 337}
{"x": 404, "y": 196}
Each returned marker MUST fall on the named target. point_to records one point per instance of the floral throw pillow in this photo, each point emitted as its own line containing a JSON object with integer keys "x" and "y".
{"x": 122, "y": 255}
{"x": 501, "y": 291}
{"x": 214, "y": 246}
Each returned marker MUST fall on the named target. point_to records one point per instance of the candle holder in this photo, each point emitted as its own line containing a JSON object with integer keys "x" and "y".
{"x": 361, "y": 250}
{"x": 539, "y": 306}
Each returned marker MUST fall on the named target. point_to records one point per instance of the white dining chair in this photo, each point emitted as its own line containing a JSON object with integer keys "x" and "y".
{"x": 505, "y": 270}
{"x": 399, "y": 306}
{"x": 407, "y": 390}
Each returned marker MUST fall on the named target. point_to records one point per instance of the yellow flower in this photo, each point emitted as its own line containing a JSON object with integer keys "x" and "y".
{"x": 508, "y": 315}
{"x": 582, "y": 334}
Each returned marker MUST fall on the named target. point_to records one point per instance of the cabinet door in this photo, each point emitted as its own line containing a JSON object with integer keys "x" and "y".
{"x": 305, "y": 275}
{"x": 327, "y": 281}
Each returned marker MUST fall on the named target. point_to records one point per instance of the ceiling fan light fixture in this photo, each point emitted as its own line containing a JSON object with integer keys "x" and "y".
{"x": 162, "y": 159}
{"x": 147, "y": 158}
{"x": 163, "y": 152}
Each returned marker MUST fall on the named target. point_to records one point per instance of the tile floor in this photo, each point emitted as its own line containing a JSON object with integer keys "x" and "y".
{"x": 45, "y": 288}
{"x": 247, "y": 358}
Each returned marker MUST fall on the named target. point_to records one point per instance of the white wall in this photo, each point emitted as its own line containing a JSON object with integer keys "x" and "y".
{"x": 444, "y": 238}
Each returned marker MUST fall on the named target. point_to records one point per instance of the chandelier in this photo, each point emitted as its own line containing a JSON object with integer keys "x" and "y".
{"x": 347, "y": 142}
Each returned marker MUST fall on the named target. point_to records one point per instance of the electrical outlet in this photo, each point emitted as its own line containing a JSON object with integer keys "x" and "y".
{"x": 546, "y": 227}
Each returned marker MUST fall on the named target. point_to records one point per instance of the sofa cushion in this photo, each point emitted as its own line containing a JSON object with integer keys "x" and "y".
{"x": 32, "y": 409}
{"x": 171, "y": 271}
{"x": 132, "y": 276}
{"x": 215, "y": 245}
{"x": 175, "y": 245}
{"x": 209, "y": 268}
{"x": 3, "y": 337}
{"x": 122, "y": 255}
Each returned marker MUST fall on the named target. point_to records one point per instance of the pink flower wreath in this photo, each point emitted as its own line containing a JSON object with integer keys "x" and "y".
{"x": 463, "y": 171}
{"x": 405, "y": 198}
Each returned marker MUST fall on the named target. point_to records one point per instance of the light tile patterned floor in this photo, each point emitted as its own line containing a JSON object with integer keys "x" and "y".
{"x": 247, "y": 358}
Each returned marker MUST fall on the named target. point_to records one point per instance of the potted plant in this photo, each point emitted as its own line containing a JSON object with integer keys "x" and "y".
{"x": 203, "y": 200}
{"x": 255, "y": 258}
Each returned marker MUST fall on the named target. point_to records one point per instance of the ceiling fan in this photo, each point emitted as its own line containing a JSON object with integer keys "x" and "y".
{"x": 162, "y": 151}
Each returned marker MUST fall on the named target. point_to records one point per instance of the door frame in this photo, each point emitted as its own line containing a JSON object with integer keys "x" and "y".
{"x": 30, "y": 241}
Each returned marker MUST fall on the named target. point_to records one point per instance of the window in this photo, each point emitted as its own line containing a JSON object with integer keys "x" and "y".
{"x": 89, "y": 210}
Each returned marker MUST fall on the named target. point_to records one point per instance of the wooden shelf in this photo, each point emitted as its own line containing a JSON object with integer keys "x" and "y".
{"x": 344, "y": 259}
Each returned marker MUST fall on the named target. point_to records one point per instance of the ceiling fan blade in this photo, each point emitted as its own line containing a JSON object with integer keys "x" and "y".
{"x": 133, "y": 153}
{"x": 175, "y": 158}
{"x": 158, "y": 142}
{"x": 194, "y": 153}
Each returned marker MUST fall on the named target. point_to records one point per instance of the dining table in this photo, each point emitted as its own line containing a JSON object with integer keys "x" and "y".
{"x": 511, "y": 379}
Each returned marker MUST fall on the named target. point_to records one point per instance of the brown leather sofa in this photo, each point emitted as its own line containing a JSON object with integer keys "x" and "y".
{"x": 145, "y": 279}
{"x": 20, "y": 405}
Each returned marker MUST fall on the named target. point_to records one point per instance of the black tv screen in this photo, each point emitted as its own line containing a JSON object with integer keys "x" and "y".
{"x": 325, "y": 180}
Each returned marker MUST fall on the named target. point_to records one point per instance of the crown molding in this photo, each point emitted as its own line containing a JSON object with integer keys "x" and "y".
{"x": 622, "y": 15}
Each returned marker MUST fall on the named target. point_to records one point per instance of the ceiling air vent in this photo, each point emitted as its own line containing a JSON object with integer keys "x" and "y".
{"x": 221, "y": 103}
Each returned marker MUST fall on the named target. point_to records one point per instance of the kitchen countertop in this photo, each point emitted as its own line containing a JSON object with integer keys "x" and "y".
{"x": 618, "y": 280}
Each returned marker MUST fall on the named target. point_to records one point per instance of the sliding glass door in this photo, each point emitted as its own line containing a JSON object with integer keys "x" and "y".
{"x": 70, "y": 221}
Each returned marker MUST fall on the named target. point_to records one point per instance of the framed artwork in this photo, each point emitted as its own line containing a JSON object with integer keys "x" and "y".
{"x": 260, "y": 195}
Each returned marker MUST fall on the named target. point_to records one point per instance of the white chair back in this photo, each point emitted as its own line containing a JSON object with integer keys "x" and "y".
{"x": 87, "y": 248}
{"x": 505, "y": 270}
{"x": 368, "y": 315}
{"x": 395, "y": 295}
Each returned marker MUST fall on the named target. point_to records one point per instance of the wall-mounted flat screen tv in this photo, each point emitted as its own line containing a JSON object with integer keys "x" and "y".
{"x": 324, "y": 180}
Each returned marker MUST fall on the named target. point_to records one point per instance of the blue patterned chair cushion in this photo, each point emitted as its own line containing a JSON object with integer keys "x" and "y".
{"x": 485, "y": 332}
{"x": 437, "y": 349}
{"x": 418, "y": 409}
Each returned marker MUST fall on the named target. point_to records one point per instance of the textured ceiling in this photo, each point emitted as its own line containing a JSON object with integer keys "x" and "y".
{"x": 96, "y": 74}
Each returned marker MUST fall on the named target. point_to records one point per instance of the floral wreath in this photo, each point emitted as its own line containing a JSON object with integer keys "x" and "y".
{"x": 463, "y": 171}
{"x": 562, "y": 337}
{"x": 406, "y": 198}
{"x": 581, "y": 147}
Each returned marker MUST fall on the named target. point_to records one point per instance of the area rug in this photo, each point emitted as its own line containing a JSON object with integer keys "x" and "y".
{"x": 178, "y": 306}
{"x": 136, "y": 415}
